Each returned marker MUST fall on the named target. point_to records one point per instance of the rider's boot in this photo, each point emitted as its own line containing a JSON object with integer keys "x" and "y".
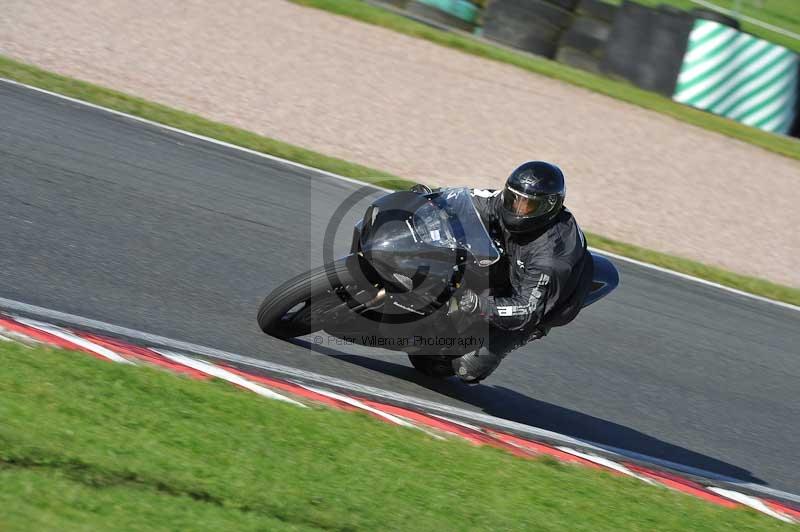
{"x": 477, "y": 365}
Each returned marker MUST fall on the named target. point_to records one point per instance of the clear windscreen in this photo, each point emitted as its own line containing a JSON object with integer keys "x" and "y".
{"x": 449, "y": 219}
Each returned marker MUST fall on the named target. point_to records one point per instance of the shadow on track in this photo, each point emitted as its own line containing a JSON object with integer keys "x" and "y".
{"x": 508, "y": 404}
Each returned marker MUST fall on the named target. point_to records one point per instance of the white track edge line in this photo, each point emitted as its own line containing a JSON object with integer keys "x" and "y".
{"x": 695, "y": 279}
{"x": 73, "y": 339}
{"x": 19, "y": 339}
{"x": 193, "y": 135}
{"x": 752, "y": 502}
{"x": 387, "y": 395}
{"x": 358, "y": 404}
{"x": 609, "y": 464}
{"x": 221, "y": 373}
{"x": 362, "y": 183}
{"x": 474, "y": 428}
{"x": 397, "y": 420}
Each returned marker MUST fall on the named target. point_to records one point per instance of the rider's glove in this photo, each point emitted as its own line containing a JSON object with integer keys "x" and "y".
{"x": 468, "y": 302}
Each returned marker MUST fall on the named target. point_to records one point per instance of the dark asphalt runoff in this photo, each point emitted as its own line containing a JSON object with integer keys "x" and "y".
{"x": 111, "y": 219}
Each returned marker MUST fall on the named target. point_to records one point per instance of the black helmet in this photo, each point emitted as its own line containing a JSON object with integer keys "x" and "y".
{"x": 533, "y": 196}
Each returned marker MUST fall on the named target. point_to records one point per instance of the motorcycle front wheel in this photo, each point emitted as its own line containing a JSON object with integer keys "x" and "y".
{"x": 300, "y": 305}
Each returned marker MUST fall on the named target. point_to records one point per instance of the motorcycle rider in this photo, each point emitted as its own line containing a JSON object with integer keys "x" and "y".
{"x": 545, "y": 272}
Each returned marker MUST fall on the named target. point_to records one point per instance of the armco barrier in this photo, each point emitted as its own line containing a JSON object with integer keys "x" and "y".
{"x": 733, "y": 74}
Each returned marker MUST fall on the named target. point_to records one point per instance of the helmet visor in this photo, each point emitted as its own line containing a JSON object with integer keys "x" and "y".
{"x": 527, "y": 206}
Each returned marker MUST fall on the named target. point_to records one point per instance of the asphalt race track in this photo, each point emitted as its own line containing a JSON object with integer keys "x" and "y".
{"x": 114, "y": 220}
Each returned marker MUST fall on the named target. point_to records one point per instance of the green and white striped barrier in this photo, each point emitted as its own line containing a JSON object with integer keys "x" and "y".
{"x": 736, "y": 75}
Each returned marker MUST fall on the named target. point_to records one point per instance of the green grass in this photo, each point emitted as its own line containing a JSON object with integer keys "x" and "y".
{"x": 364, "y": 12}
{"x": 159, "y": 113}
{"x": 782, "y": 13}
{"x": 89, "y": 445}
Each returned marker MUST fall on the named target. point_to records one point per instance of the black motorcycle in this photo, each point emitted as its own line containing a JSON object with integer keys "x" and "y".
{"x": 410, "y": 255}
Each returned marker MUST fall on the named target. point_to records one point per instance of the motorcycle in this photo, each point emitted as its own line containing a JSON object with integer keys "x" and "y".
{"x": 411, "y": 253}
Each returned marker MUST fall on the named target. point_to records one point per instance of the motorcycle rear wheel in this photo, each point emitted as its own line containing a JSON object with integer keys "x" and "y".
{"x": 299, "y": 306}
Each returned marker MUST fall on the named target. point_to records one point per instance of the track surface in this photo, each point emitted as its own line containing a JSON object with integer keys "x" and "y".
{"x": 118, "y": 221}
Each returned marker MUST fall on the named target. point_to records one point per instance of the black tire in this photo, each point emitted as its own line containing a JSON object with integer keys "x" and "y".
{"x": 520, "y": 34}
{"x": 529, "y": 11}
{"x": 578, "y": 59}
{"x": 400, "y": 4}
{"x": 582, "y": 43}
{"x": 538, "y": 38}
{"x": 568, "y": 5}
{"x": 672, "y": 10}
{"x": 529, "y": 43}
{"x": 715, "y": 16}
{"x": 438, "y": 366}
{"x": 591, "y": 27}
{"x": 597, "y": 9}
{"x": 314, "y": 291}
{"x": 587, "y": 35}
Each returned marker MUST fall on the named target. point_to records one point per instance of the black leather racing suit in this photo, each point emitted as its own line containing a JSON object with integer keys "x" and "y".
{"x": 540, "y": 283}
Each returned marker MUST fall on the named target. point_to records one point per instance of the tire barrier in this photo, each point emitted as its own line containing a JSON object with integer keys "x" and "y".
{"x": 587, "y": 35}
{"x": 578, "y": 59}
{"x": 540, "y": 10}
{"x": 736, "y": 75}
{"x": 400, "y": 4}
{"x": 597, "y": 9}
{"x": 646, "y": 46}
{"x": 567, "y": 5}
{"x": 535, "y": 38}
{"x": 794, "y": 131}
{"x": 700, "y": 57}
{"x": 531, "y": 25}
{"x": 583, "y": 45}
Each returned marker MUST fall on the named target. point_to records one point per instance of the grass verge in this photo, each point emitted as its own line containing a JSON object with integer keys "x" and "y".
{"x": 359, "y": 10}
{"x": 744, "y": 283}
{"x": 85, "y": 444}
{"x": 189, "y": 122}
